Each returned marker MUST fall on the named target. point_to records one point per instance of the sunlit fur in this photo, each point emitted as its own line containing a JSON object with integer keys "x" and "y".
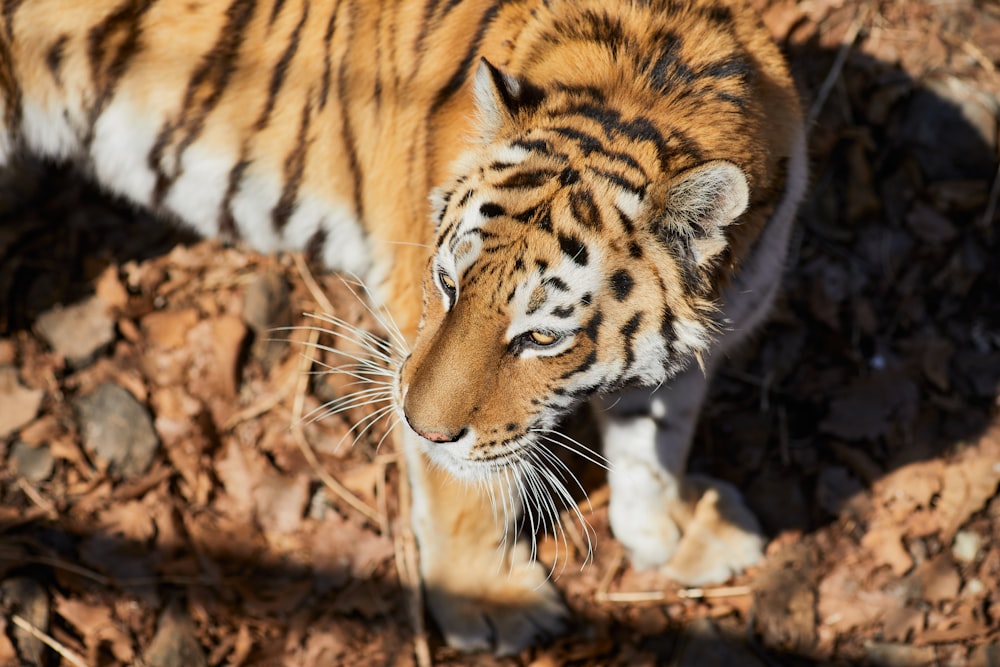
{"x": 545, "y": 198}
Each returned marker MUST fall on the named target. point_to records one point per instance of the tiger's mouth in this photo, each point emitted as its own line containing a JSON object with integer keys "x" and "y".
{"x": 467, "y": 460}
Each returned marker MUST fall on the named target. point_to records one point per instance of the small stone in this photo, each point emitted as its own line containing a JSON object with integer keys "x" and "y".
{"x": 965, "y": 548}
{"x": 32, "y": 463}
{"x": 20, "y": 405}
{"x": 79, "y": 331}
{"x": 118, "y": 429}
{"x": 175, "y": 644}
{"x": 28, "y": 599}
{"x": 266, "y": 307}
{"x": 884, "y": 654}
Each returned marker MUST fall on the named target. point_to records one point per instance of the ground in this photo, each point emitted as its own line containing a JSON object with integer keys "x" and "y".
{"x": 167, "y": 499}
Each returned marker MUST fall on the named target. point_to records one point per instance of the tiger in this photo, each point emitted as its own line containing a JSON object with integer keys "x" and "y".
{"x": 556, "y": 202}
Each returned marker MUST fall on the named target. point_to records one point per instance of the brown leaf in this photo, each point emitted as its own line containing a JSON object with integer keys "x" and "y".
{"x": 845, "y": 603}
{"x": 884, "y": 540}
{"x": 20, "y": 405}
{"x": 95, "y": 624}
{"x": 966, "y": 488}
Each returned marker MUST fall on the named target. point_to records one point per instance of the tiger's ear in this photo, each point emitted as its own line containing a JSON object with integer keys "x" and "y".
{"x": 698, "y": 206}
{"x": 499, "y": 96}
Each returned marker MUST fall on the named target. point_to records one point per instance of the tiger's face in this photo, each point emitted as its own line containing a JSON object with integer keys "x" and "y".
{"x": 567, "y": 262}
{"x": 548, "y": 283}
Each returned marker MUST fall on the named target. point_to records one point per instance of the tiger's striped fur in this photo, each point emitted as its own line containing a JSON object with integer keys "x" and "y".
{"x": 613, "y": 185}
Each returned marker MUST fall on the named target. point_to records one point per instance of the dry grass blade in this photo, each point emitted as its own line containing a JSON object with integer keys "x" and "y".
{"x": 65, "y": 653}
{"x": 408, "y": 565}
{"x": 853, "y": 31}
{"x": 331, "y": 483}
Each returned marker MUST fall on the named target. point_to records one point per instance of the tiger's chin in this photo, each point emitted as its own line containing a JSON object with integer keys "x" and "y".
{"x": 460, "y": 460}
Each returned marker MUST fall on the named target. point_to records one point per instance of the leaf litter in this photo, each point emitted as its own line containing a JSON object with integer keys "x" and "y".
{"x": 861, "y": 423}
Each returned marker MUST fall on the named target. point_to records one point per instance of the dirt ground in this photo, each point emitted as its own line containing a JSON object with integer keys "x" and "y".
{"x": 167, "y": 500}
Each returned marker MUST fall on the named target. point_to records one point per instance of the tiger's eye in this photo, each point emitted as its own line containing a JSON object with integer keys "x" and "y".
{"x": 446, "y": 281}
{"x": 542, "y": 338}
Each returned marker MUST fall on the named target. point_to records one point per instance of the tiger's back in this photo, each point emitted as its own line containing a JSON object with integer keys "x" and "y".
{"x": 555, "y": 199}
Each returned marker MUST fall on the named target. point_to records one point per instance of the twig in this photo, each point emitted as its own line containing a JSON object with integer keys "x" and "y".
{"x": 314, "y": 289}
{"x": 602, "y": 594}
{"x": 298, "y": 405}
{"x": 567, "y": 520}
{"x": 838, "y": 66}
{"x": 266, "y": 404}
{"x": 408, "y": 565}
{"x": 37, "y": 498}
{"x": 48, "y": 640}
{"x": 634, "y": 597}
{"x": 713, "y": 593}
{"x": 60, "y": 565}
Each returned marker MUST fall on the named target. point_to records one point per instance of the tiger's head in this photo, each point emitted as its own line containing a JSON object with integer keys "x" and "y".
{"x": 572, "y": 256}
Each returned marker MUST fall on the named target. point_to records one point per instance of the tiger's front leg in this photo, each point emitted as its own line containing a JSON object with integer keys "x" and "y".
{"x": 697, "y": 529}
{"x": 481, "y": 586}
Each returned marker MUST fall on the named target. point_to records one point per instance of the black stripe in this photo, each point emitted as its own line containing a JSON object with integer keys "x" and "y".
{"x": 227, "y": 224}
{"x": 295, "y": 164}
{"x": 556, "y": 283}
{"x": 9, "y": 88}
{"x": 275, "y": 10}
{"x": 214, "y": 71}
{"x": 583, "y": 367}
{"x": 10, "y": 8}
{"x": 527, "y": 179}
{"x": 491, "y": 210}
{"x": 620, "y": 180}
{"x": 280, "y": 72}
{"x": 127, "y": 19}
{"x": 628, "y": 332}
{"x": 737, "y": 66}
{"x": 331, "y": 28}
{"x": 346, "y": 129}
{"x": 585, "y": 210}
{"x": 532, "y": 145}
{"x": 316, "y": 244}
{"x": 667, "y": 320}
{"x": 593, "y": 326}
{"x": 564, "y": 311}
{"x": 621, "y": 284}
{"x": 54, "y": 57}
{"x": 461, "y": 73}
{"x": 573, "y": 247}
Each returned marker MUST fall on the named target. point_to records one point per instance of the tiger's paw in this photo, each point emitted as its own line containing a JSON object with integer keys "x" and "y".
{"x": 720, "y": 535}
{"x": 499, "y": 612}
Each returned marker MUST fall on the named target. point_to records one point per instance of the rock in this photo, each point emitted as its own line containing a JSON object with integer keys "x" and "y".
{"x": 266, "y": 307}
{"x": 174, "y": 644}
{"x": 966, "y": 545}
{"x": 20, "y": 405}
{"x": 79, "y": 331}
{"x": 28, "y": 599}
{"x": 117, "y": 429}
{"x": 32, "y": 463}
{"x": 883, "y": 654}
{"x": 708, "y": 647}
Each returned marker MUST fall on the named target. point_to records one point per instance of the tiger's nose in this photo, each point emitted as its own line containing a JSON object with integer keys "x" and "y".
{"x": 440, "y": 436}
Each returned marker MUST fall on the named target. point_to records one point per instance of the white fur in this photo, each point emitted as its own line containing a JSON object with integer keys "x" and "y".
{"x": 123, "y": 137}
{"x": 579, "y": 279}
{"x": 647, "y": 433}
{"x": 251, "y": 207}
{"x": 196, "y": 196}
{"x": 47, "y": 130}
{"x": 346, "y": 248}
